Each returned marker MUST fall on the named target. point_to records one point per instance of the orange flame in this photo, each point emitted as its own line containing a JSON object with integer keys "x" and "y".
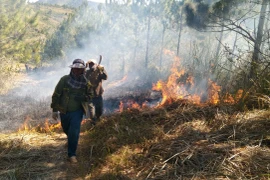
{"x": 131, "y": 104}
{"x": 172, "y": 89}
{"x": 229, "y": 99}
{"x": 25, "y": 126}
{"x": 135, "y": 105}
{"x": 239, "y": 94}
{"x": 45, "y": 127}
{"x": 180, "y": 84}
{"x": 213, "y": 92}
{"x": 117, "y": 83}
{"x": 48, "y": 127}
{"x": 144, "y": 105}
{"x": 121, "y": 106}
{"x": 168, "y": 52}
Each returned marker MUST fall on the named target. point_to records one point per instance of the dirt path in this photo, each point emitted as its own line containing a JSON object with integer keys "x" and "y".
{"x": 31, "y": 155}
{"x": 63, "y": 168}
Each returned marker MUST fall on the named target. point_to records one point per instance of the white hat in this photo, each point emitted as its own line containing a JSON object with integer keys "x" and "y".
{"x": 78, "y": 63}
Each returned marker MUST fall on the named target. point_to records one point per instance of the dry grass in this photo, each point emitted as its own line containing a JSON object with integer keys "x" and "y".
{"x": 20, "y": 111}
{"x": 177, "y": 141}
{"x": 10, "y": 74}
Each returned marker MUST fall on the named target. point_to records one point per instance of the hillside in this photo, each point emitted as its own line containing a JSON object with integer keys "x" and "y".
{"x": 174, "y": 141}
{"x": 50, "y": 17}
{"x": 68, "y": 3}
{"x": 24, "y": 30}
{"x": 26, "y": 27}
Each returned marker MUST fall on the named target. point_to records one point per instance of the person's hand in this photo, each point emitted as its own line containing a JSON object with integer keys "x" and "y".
{"x": 55, "y": 115}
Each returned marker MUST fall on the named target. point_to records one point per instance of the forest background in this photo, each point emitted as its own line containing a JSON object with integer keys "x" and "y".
{"x": 225, "y": 41}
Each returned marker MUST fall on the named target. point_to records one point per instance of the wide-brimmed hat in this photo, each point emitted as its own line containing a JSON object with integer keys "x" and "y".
{"x": 78, "y": 63}
{"x": 93, "y": 61}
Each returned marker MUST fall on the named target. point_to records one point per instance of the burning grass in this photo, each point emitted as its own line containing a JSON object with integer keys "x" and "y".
{"x": 176, "y": 141}
{"x": 180, "y": 141}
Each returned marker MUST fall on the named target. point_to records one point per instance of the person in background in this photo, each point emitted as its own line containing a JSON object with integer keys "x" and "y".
{"x": 71, "y": 98}
{"x": 96, "y": 74}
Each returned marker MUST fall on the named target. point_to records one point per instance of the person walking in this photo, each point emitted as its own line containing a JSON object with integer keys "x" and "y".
{"x": 71, "y": 97}
{"x": 96, "y": 74}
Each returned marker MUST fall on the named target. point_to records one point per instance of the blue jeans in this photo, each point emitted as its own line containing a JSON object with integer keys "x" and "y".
{"x": 71, "y": 125}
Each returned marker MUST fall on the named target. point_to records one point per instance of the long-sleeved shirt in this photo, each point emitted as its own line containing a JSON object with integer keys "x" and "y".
{"x": 68, "y": 99}
{"x": 96, "y": 76}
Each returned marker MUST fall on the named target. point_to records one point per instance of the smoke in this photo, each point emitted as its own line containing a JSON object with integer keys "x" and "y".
{"x": 39, "y": 84}
{"x": 119, "y": 35}
{"x": 197, "y": 15}
{"x": 121, "y": 39}
{"x": 200, "y": 13}
{"x": 222, "y": 8}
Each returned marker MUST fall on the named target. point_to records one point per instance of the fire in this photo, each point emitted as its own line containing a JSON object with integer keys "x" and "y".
{"x": 172, "y": 90}
{"x": 121, "y": 106}
{"x": 175, "y": 89}
{"x": 229, "y": 99}
{"x": 195, "y": 99}
{"x": 25, "y": 126}
{"x": 161, "y": 86}
{"x": 144, "y": 105}
{"x": 182, "y": 85}
{"x": 45, "y": 127}
{"x": 168, "y": 52}
{"x": 135, "y": 105}
{"x": 117, "y": 83}
{"x": 239, "y": 94}
{"x": 213, "y": 92}
{"x": 131, "y": 104}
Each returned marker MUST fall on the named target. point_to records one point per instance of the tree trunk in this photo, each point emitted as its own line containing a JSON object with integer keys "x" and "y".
{"x": 231, "y": 60}
{"x": 180, "y": 33}
{"x": 266, "y": 32}
{"x": 147, "y": 41}
{"x": 215, "y": 60}
{"x": 258, "y": 41}
{"x": 162, "y": 45}
{"x": 219, "y": 44}
{"x": 136, "y": 42}
{"x": 234, "y": 44}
